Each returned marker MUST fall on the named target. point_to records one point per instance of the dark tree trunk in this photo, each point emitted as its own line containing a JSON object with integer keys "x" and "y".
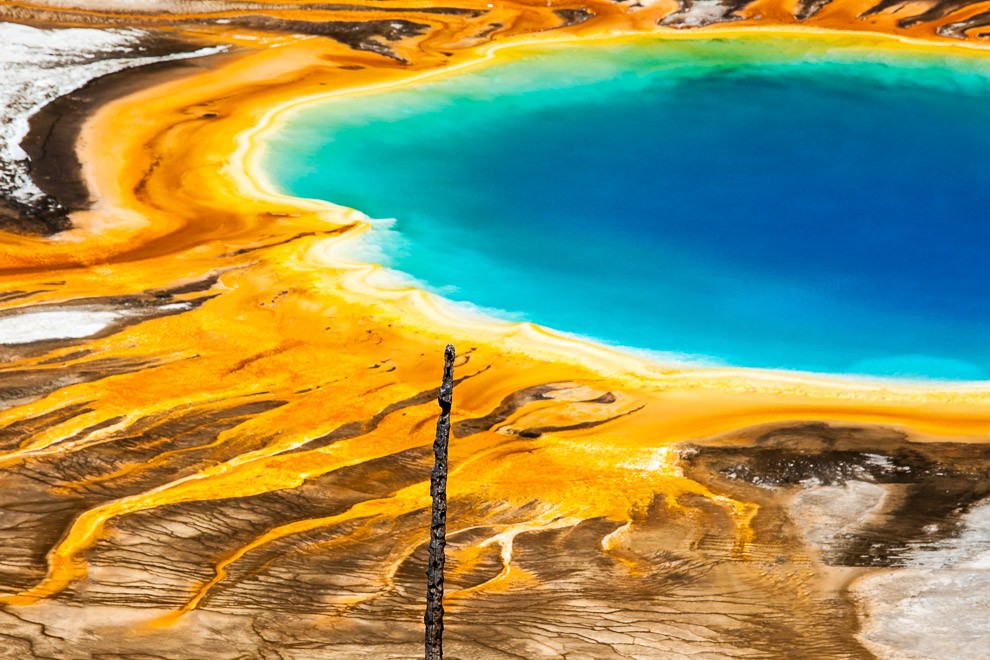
{"x": 438, "y": 524}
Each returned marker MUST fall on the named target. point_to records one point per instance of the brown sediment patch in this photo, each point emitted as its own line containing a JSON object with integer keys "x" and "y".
{"x": 928, "y": 486}
{"x": 30, "y": 219}
{"x": 367, "y": 35}
{"x": 964, "y": 26}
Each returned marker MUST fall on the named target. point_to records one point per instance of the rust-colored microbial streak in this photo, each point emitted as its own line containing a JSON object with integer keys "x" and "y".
{"x": 238, "y": 467}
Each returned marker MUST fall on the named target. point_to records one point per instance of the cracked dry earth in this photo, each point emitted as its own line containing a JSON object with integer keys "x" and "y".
{"x": 334, "y": 567}
{"x": 224, "y": 449}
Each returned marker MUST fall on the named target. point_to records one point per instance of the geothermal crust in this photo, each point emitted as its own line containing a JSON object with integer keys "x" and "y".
{"x": 215, "y": 430}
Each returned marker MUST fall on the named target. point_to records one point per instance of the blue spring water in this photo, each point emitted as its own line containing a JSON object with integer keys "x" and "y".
{"x": 774, "y": 203}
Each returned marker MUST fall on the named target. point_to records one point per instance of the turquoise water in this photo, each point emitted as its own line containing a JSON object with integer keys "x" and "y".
{"x": 773, "y": 203}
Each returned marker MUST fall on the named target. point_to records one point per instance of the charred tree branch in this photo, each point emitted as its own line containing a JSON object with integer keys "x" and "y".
{"x": 438, "y": 523}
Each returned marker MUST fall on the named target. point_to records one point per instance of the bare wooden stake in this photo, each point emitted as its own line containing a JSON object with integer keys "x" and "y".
{"x": 438, "y": 524}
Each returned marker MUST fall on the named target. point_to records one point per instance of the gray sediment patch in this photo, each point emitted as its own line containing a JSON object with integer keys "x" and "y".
{"x": 937, "y": 606}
